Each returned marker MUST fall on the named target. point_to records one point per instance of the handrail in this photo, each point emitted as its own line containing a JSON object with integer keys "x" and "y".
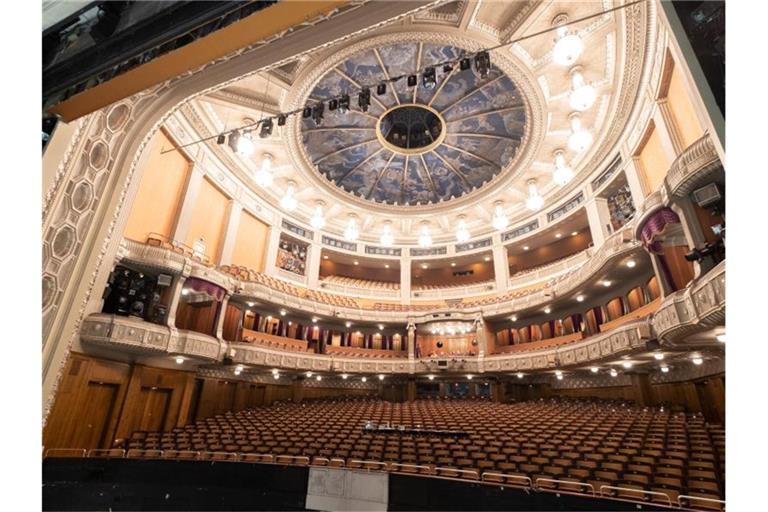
{"x": 689, "y": 498}
{"x": 338, "y": 459}
{"x": 471, "y": 472}
{"x": 641, "y": 491}
{"x": 318, "y": 459}
{"x": 379, "y": 464}
{"x": 179, "y": 452}
{"x": 234, "y": 456}
{"x": 505, "y": 476}
{"x": 49, "y": 451}
{"x": 396, "y": 465}
{"x": 302, "y": 459}
{"x": 99, "y": 452}
{"x": 571, "y": 482}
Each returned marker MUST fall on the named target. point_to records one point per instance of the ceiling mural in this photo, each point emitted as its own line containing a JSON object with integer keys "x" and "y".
{"x": 390, "y": 154}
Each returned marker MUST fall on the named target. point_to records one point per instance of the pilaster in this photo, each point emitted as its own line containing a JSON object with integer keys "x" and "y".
{"x": 599, "y": 218}
{"x": 405, "y": 280}
{"x": 191, "y": 191}
{"x": 500, "y": 264}
{"x": 234, "y": 210}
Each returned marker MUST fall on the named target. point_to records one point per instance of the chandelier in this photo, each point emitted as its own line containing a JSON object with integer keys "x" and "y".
{"x": 318, "y": 220}
{"x": 425, "y": 240}
{"x": 568, "y": 46}
{"x": 580, "y": 138}
{"x": 288, "y": 202}
{"x": 264, "y": 175}
{"x": 462, "y": 233}
{"x": 387, "y": 239}
{"x": 562, "y": 173}
{"x": 500, "y": 220}
{"x": 534, "y": 201}
{"x": 351, "y": 232}
{"x": 583, "y": 95}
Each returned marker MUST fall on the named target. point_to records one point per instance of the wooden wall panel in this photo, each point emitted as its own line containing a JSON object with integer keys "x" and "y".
{"x": 653, "y": 288}
{"x": 615, "y": 308}
{"x": 233, "y": 323}
{"x": 653, "y": 160}
{"x": 208, "y": 220}
{"x": 197, "y": 316}
{"x": 635, "y": 299}
{"x": 683, "y": 112}
{"x": 680, "y": 269}
{"x": 250, "y": 242}
{"x": 549, "y": 253}
{"x": 161, "y": 191}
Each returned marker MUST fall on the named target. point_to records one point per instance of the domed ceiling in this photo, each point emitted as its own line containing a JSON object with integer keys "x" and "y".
{"x": 415, "y": 144}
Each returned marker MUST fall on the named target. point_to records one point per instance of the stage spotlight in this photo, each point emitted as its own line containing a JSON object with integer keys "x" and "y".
{"x": 381, "y": 89}
{"x": 307, "y": 112}
{"x": 317, "y": 113}
{"x": 483, "y": 64}
{"x": 364, "y": 99}
{"x": 412, "y": 80}
{"x": 464, "y": 64}
{"x": 281, "y": 119}
{"x": 447, "y": 68}
{"x": 428, "y": 79}
{"x": 266, "y": 128}
{"x": 344, "y": 104}
{"x": 333, "y": 104}
{"x": 221, "y": 139}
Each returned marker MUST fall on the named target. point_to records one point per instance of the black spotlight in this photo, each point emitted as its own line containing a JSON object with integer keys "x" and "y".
{"x": 333, "y": 104}
{"x": 266, "y": 128}
{"x": 307, "y": 112}
{"x": 428, "y": 79}
{"x": 281, "y": 120}
{"x": 483, "y": 63}
{"x": 411, "y": 80}
{"x": 464, "y": 64}
{"x": 221, "y": 139}
{"x": 381, "y": 89}
{"x": 344, "y": 103}
{"x": 447, "y": 68}
{"x": 364, "y": 99}
{"x": 317, "y": 113}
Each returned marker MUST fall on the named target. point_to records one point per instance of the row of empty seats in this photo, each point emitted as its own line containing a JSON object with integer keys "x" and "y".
{"x": 274, "y": 342}
{"x": 364, "y": 352}
{"x": 575, "y": 442}
{"x": 332, "y": 299}
{"x": 353, "y": 282}
{"x": 488, "y": 283}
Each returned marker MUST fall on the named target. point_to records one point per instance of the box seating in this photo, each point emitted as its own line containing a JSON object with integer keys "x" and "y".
{"x": 528, "y": 439}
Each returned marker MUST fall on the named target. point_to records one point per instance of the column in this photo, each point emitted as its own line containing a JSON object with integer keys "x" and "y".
{"x": 234, "y": 209}
{"x": 442, "y": 389}
{"x": 220, "y": 317}
{"x": 500, "y": 264}
{"x": 664, "y": 135}
{"x": 642, "y": 387}
{"x": 405, "y": 280}
{"x": 411, "y": 340}
{"x": 313, "y": 265}
{"x": 665, "y": 287}
{"x": 694, "y": 236}
{"x": 191, "y": 190}
{"x": 297, "y": 389}
{"x": 411, "y": 390}
{"x": 635, "y": 183}
{"x": 482, "y": 338}
{"x": 599, "y": 218}
{"x": 274, "y": 242}
{"x": 498, "y": 392}
{"x": 178, "y": 285}
{"x": 669, "y": 123}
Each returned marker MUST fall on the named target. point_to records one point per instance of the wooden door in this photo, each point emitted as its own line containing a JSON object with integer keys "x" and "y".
{"x": 94, "y": 416}
{"x": 156, "y": 403}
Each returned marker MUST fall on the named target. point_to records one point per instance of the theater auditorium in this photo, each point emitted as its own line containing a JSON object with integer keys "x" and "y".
{"x": 383, "y": 255}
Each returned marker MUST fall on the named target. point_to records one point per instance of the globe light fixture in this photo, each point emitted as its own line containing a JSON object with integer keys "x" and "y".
{"x": 582, "y": 95}
{"x": 580, "y": 138}
{"x": 318, "y": 220}
{"x": 245, "y": 145}
{"x": 288, "y": 202}
{"x": 500, "y": 219}
{"x": 568, "y": 45}
{"x": 614, "y": 373}
{"x": 594, "y": 369}
{"x": 534, "y": 201}
{"x": 425, "y": 240}
{"x": 562, "y": 173}
{"x": 462, "y": 233}
{"x": 387, "y": 238}
{"x": 351, "y": 232}
{"x": 264, "y": 176}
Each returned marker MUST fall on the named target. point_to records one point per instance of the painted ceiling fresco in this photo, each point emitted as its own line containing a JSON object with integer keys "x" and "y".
{"x": 484, "y": 123}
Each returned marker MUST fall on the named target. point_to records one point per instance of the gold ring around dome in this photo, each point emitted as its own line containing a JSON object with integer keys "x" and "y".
{"x": 416, "y": 151}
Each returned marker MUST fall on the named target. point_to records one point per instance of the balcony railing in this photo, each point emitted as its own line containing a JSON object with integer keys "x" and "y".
{"x": 692, "y": 166}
